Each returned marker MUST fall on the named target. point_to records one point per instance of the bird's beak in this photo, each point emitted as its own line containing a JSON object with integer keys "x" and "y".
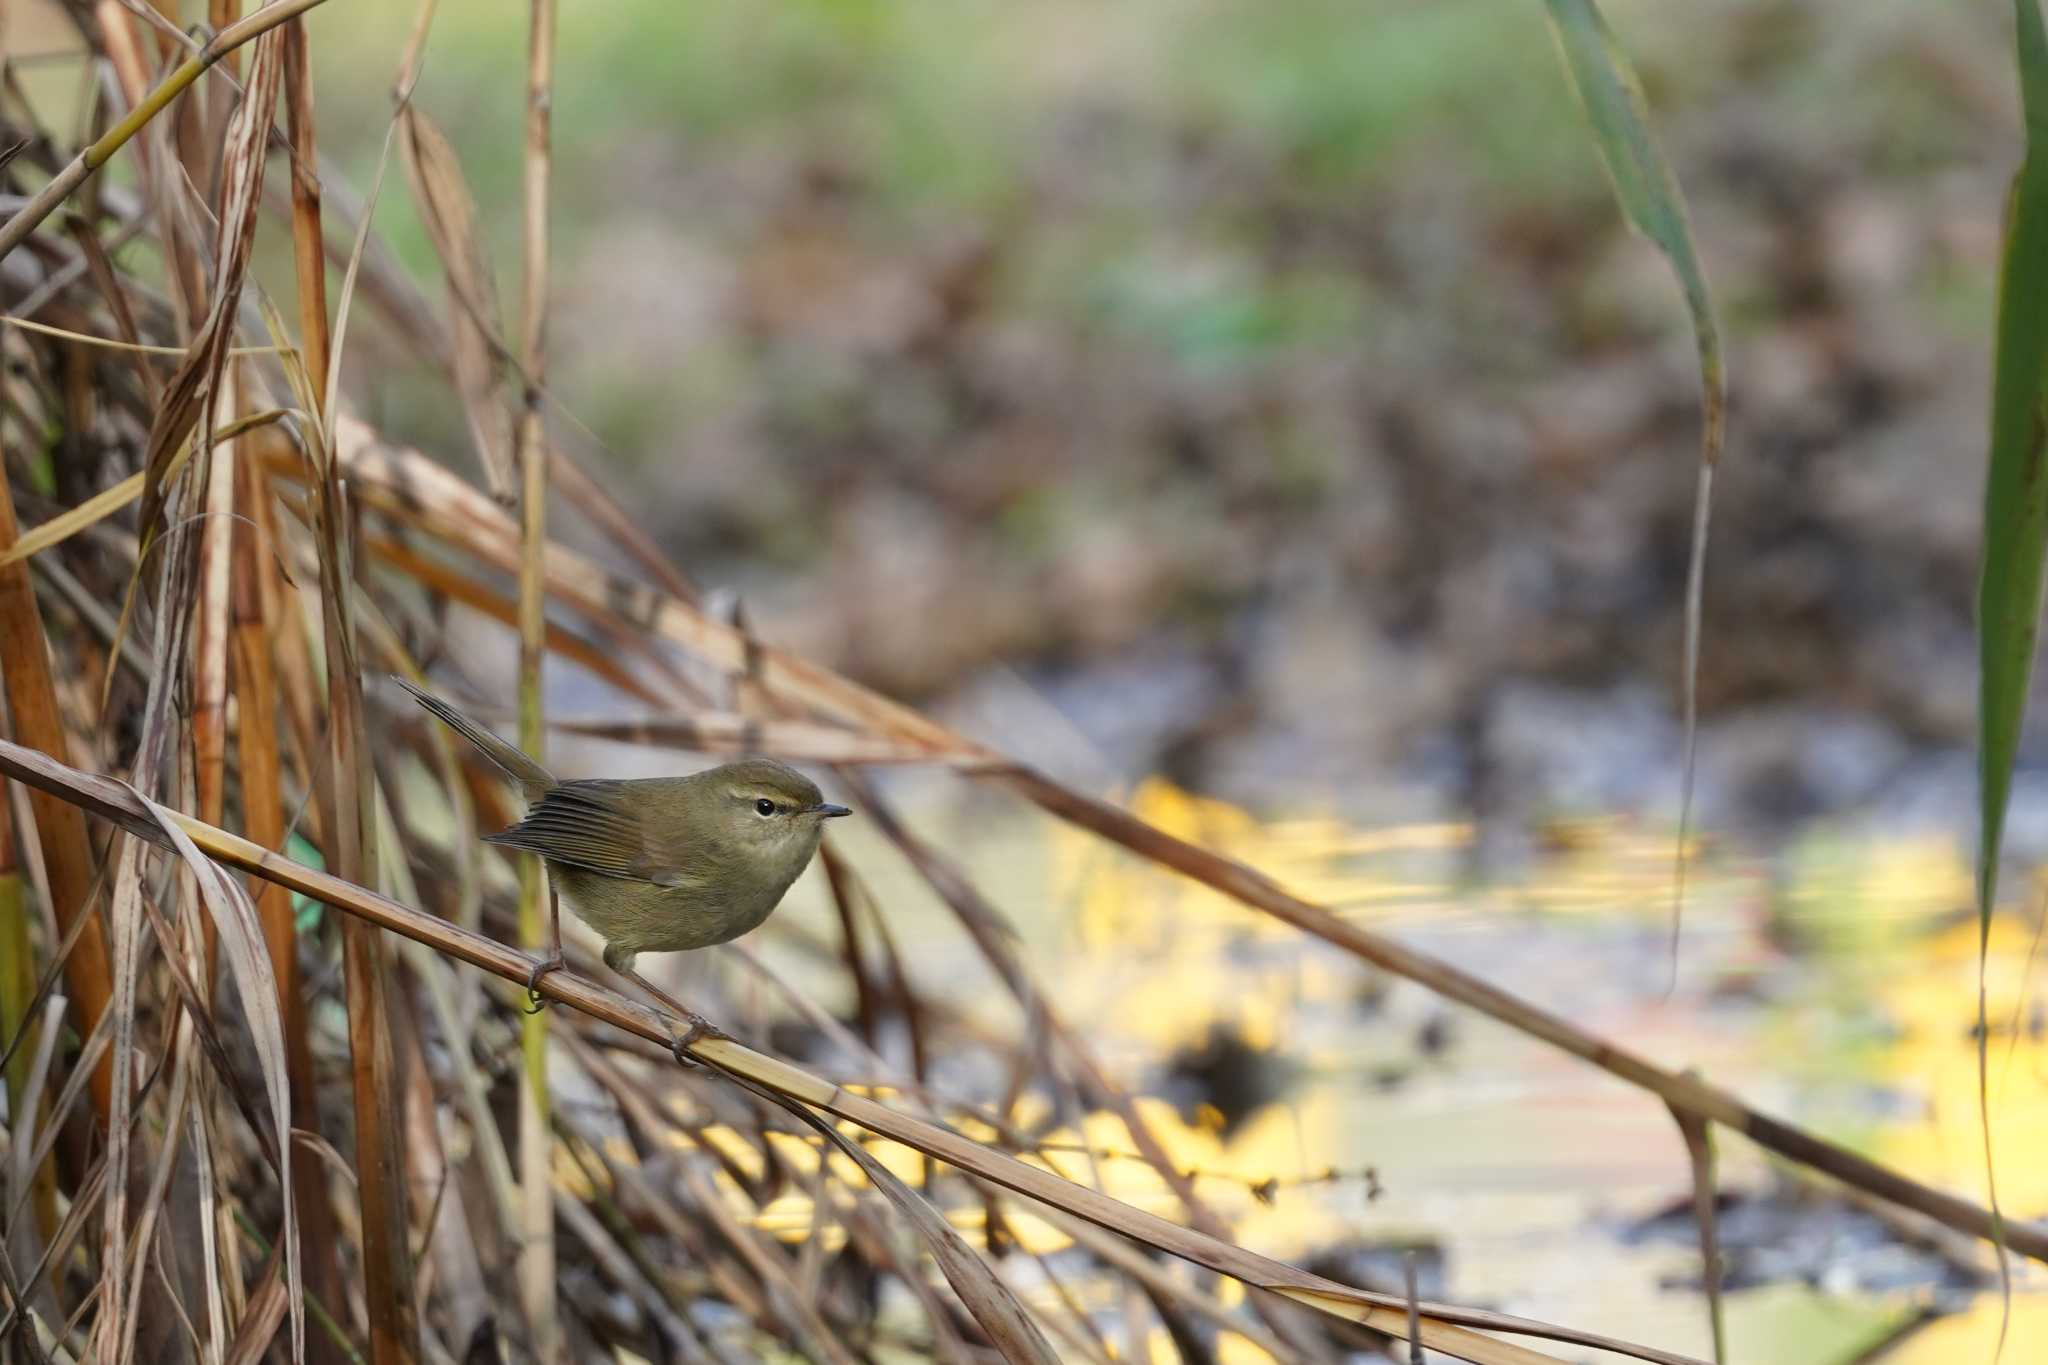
{"x": 827, "y": 809}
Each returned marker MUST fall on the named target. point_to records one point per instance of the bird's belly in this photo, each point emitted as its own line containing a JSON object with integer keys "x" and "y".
{"x": 641, "y": 917}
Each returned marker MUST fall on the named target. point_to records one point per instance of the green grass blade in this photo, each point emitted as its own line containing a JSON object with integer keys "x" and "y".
{"x": 2015, "y": 517}
{"x": 1650, "y": 199}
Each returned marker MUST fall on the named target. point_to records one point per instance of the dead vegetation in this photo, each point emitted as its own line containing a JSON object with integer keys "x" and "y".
{"x": 240, "y": 1129}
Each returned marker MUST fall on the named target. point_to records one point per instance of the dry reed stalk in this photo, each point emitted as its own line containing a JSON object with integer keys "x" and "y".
{"x": 240, "y": 936}
{"x": 867, "y": 997}
{"x": 165, "y": 26}
{"x": 447, "y": 1245}
{"x": 536, "y": 1128}
{"x": 68, "y": 863}
{"x": 291, "y": 645}
{"x": 387, "y": 1261}
{"x": 294, "y": 651}
{"x": 382, "y": 281}
{"x": 1699, "y": 1150}
{"x": 448, "y": 211}
{"x": 1445, "y": 1328}
{"x": 209, "y": 713}
{"x": 263, "y": 820}
{"x": 1129, "y": 1261}
{"x": 308, "y": 259}
{"x": 220, "y": 14}
{"x": 122, "y": 44}
{"x": 730, "y": 732}
{"x": 186, "y": 413}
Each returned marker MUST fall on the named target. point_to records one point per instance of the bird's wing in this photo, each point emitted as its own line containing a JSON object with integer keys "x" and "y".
{"x": 589, "y": 824}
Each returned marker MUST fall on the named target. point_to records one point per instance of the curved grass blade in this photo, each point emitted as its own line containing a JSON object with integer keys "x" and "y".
{"x": 2015, "y": 525}
{"x": 1650, "y": 198}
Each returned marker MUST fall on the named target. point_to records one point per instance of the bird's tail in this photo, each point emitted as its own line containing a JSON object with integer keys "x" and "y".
{"x": 532, "y": 778}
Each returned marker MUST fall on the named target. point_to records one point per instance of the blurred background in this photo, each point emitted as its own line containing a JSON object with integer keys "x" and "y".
{"x": 1259, "y": 413}
{"x": 1271, "y": 397}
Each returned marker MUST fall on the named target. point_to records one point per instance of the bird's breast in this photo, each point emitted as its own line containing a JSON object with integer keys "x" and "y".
{"x": 642, "y": 917}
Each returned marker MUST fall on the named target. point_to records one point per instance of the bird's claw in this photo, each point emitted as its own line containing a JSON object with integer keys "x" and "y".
{"x": 534, "y": 1003}
{"x": 700, "y": 1029}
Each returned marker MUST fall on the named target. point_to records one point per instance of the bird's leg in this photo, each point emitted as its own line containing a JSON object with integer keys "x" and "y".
{"x": 554, "y": 962}
{"x": 700, "y": 1027}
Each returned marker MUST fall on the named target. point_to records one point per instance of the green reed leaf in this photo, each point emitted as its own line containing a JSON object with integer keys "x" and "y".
{"x": 2015, "y": 523}
{"x": 1650, "y": 199}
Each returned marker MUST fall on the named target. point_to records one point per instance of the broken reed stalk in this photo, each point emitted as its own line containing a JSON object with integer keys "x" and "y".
{"x": 536, "y": 1129}
{"x": 1445, "y": 1328}
{"x": 16, "y": 230}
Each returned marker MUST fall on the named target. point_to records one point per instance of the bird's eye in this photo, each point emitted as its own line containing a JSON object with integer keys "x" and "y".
{"x": 764, "y": 807}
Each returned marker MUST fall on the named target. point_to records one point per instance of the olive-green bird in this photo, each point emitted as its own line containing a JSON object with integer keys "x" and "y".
{"x": 658, "y": 864}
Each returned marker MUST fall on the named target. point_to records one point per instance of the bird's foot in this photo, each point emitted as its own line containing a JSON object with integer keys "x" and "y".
{"x": 534, "y": 1004}
{"x": 700, "y": 1029}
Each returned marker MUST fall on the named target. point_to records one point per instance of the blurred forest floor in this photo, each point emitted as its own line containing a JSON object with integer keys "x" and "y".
{"x": 1277, "y": 393}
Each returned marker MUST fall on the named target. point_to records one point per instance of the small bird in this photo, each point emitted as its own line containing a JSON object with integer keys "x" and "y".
{"x": 657, "y": 864}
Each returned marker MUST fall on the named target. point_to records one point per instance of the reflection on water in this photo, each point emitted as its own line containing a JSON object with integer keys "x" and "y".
{"x": 1340, "y": 1118}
